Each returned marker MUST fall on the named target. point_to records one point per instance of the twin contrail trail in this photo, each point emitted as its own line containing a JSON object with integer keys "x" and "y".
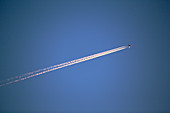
{"x": 58, "y": 66}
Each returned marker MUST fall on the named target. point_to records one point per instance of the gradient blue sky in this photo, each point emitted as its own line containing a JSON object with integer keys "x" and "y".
{"x": 37, "y": 33}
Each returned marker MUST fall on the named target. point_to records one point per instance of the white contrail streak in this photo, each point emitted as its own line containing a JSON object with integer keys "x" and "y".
{"x": 58, "y": 66}
{"x": 30, "y": 73}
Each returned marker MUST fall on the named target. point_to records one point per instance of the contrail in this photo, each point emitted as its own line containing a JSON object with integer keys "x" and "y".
{"x": 58, "y": 66}
{"x": 30, "y": 73}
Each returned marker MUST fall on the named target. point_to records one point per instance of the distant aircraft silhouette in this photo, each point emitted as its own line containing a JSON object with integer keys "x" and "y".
{"x": 129, "y": 45}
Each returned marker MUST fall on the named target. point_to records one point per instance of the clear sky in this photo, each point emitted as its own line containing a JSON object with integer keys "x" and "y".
{"x": 36, "y": 33}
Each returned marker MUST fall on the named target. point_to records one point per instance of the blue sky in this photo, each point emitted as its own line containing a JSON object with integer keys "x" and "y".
{"x": 37, "y": 34}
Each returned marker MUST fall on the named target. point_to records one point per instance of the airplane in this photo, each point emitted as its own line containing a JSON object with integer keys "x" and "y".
{"x": 129, "y": 45}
